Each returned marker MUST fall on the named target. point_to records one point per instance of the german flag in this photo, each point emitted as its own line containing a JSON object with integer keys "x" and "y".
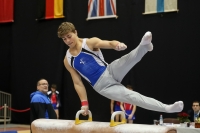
{"x": 50, "y": 9}
{"x": 6, "y": 11}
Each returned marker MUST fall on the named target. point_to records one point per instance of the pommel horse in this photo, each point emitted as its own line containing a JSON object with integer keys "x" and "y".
{"x": 89, "y": 126}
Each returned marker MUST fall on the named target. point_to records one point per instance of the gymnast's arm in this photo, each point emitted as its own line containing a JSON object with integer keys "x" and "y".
{"x": 96, "y": 43}
{"x": 78, "y": 84}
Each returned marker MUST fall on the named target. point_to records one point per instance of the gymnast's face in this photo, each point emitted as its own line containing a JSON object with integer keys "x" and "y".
{"x": 43, "y": 86}
{"x": 70, "y": 39}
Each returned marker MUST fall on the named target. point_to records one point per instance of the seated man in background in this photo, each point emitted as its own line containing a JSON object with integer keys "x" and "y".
{"x": 40, "y": 106}
{"x": 195, "y": 112}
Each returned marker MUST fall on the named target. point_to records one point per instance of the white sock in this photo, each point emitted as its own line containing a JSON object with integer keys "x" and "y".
{"x": 146, "y": 40}
{"x": 176, "y": 107}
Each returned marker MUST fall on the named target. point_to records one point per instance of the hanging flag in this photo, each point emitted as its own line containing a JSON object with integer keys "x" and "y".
{"x": 50, "y": 9}
{"x": 6, "y": 11}
{"x": 98, "y": 9}
{"x": 160, "y": 6}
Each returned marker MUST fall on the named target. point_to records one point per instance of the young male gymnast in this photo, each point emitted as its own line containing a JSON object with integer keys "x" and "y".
{"x": 84, "y": 59}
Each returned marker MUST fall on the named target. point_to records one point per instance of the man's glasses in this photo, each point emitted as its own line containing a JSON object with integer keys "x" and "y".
{"x": 44, "y": 84}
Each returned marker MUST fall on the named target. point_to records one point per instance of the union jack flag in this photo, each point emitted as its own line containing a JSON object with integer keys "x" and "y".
{"x": 98, "y": 9}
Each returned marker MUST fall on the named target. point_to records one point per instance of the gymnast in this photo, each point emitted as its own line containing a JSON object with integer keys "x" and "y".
{"x": 84, "y": 59}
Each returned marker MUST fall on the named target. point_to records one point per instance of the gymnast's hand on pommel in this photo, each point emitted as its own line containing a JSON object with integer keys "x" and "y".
{"x": 85, "y": 108}
{"x": 120, "y": 47}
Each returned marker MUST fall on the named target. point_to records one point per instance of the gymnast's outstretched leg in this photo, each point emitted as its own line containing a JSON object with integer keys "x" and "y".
{"x": 120, "y": 67}
{"x": 116, "y": 91}
{"x": 109, "y": 83}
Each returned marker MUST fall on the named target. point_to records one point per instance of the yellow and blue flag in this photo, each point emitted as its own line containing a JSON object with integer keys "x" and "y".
{"x": 160, "y": 6}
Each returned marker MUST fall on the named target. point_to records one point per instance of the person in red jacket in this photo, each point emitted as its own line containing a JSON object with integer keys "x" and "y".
{"x": 129, "y": 109}
{"x": 55, "y": 98}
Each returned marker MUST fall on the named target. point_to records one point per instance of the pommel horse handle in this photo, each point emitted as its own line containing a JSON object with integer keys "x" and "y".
{"x": 77, "y": 121}
{"x": 112, "y": 121}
